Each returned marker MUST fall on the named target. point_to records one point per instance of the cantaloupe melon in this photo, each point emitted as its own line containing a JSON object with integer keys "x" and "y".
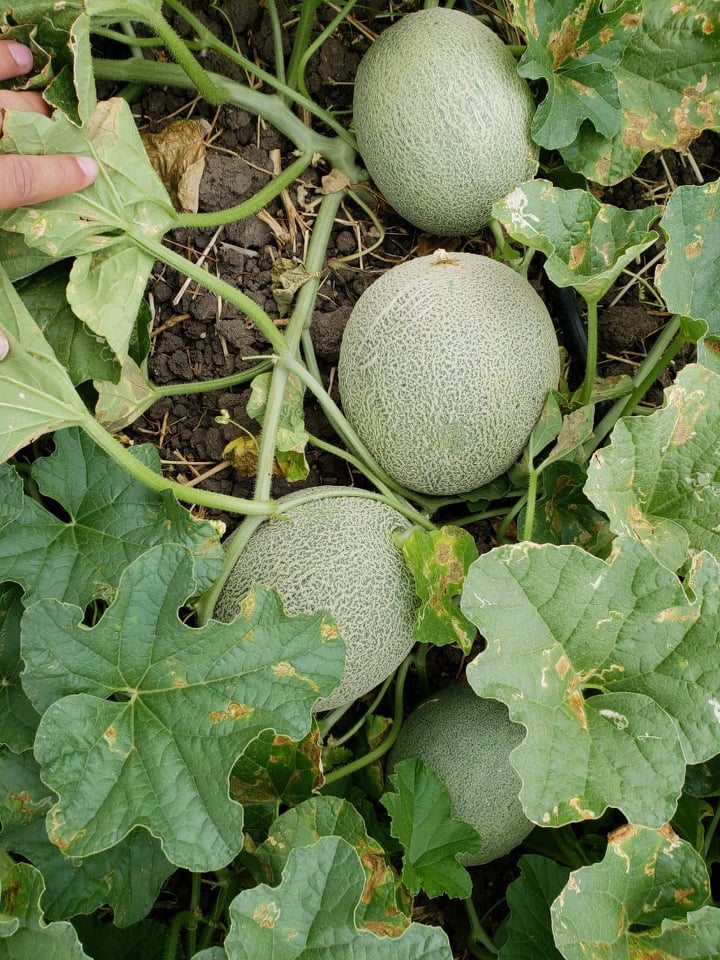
{"x": 467, "y": 740}
{"x": 336, "y": 554}
{"x": 445, "y": 364}
{"x": 442, "y": 120}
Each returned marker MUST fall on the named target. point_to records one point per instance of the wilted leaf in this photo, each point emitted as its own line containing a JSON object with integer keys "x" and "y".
{"x": 291, "y": 436}
{"x": 287, "y": 278}
{"x": 383, "y": 907}
{"x": 658, "y": 479}
{"x": 641, "y": 900}
{"x": 439, "y": 560}
{"x": 600, "y": 662}
{"x": 587, "y": 243}
{"x": 311, "y": 912}
{"x": 112, "y": 518}
{"x": 419, "y": 807}
{"x": 177, "y": 153}
{"x": 144, "y": 716}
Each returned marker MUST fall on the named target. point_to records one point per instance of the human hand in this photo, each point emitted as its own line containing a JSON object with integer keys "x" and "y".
{"x": 32, "y": 179}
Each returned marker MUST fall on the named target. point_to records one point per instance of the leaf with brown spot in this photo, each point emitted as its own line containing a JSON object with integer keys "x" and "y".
{"x": 607, "y": 686}
{"x": 173, "y": 746}
{"x": 439, "y": 560}
{"x": 646, "y": 898}
{"x": 575, "y": 48}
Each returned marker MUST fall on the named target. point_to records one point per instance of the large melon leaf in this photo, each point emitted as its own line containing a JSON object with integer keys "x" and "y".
{"x": 611, "y": 669}
{"x": 144, "y": 717}
{"x": 529, "y": 933}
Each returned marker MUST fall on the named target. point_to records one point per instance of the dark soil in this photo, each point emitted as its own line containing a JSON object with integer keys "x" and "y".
{"x": 197, "y": 337}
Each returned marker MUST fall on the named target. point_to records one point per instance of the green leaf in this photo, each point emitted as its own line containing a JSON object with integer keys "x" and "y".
{"x": 384, "y": 908}
{"x": 564, "y": 514}
{"x": 668, "y": 81}
{"x": 528, "y": 929}
{"x": 75, "y": 348}
{"x": 145, "y": 717}
{"x": 547, "y": 428}
{"x": 18, "y": 718}
{"x": 277, "y": 769}
{"x": 36, "y": 394}
{"x": 575, "y": 48}
{"x": 431, "y": 837}
{"x": 23, "y": 932}
{"x": 658, "y": 479}
{"x": 311, "y": 914}
{"x": 439, "y": 560}
{"x": 291, "y": 437}
{"x": 112, "y": 518}
{"x": 641, "y": 900}
{"x": 127, "y": 877}
{"x": 688, "y": 279}
{"x": 587, "y": 243}
{"x": 96, "y": 225}
{"x": 562, "y": 625}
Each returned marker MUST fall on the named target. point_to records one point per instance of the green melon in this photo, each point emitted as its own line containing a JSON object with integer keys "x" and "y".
{"x": 336, "y": 554}
{"x": 445, "y": 364}
{"x": 467, "y": 741}
{"x": 442, "y": 120}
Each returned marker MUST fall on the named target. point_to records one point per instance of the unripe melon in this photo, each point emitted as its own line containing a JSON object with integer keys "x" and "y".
{"x": 442, "y": 120}
{"x": 445, "y": 364}
{"x": 336, "y": 554}
{"x": 467, "y": 741}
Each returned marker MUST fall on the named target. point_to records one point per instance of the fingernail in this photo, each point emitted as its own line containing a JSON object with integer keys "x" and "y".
{"x": 88, "y": 166}
{"x": 20, "y": 54}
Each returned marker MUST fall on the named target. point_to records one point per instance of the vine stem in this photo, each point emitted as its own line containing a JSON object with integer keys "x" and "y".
{"x": 159, "y": 483}
{"x": 387, "y": 743}
{"x": 478, "y": 934}
{"x": 336, "y": 150}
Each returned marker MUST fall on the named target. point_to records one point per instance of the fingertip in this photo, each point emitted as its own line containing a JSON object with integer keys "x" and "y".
{"x": 88, "y": 168}
{"x": 4, "y": 346}
{"x": 21, "y": 54}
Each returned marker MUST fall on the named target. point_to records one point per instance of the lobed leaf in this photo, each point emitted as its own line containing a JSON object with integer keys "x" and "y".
{"x": 587, "y": 243}
{"x": 18, "y": 718}
{"x": 641, "y": 900}
{"x": 611, "y": 669}
{"x": 144, "y": 717}
{"x": 658, "y": 480}
{"x": 419, "y": 808}
{"x": 310, "y": 913}
{"x": 127, "y": 877}
{"x": 112, "y": 519}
